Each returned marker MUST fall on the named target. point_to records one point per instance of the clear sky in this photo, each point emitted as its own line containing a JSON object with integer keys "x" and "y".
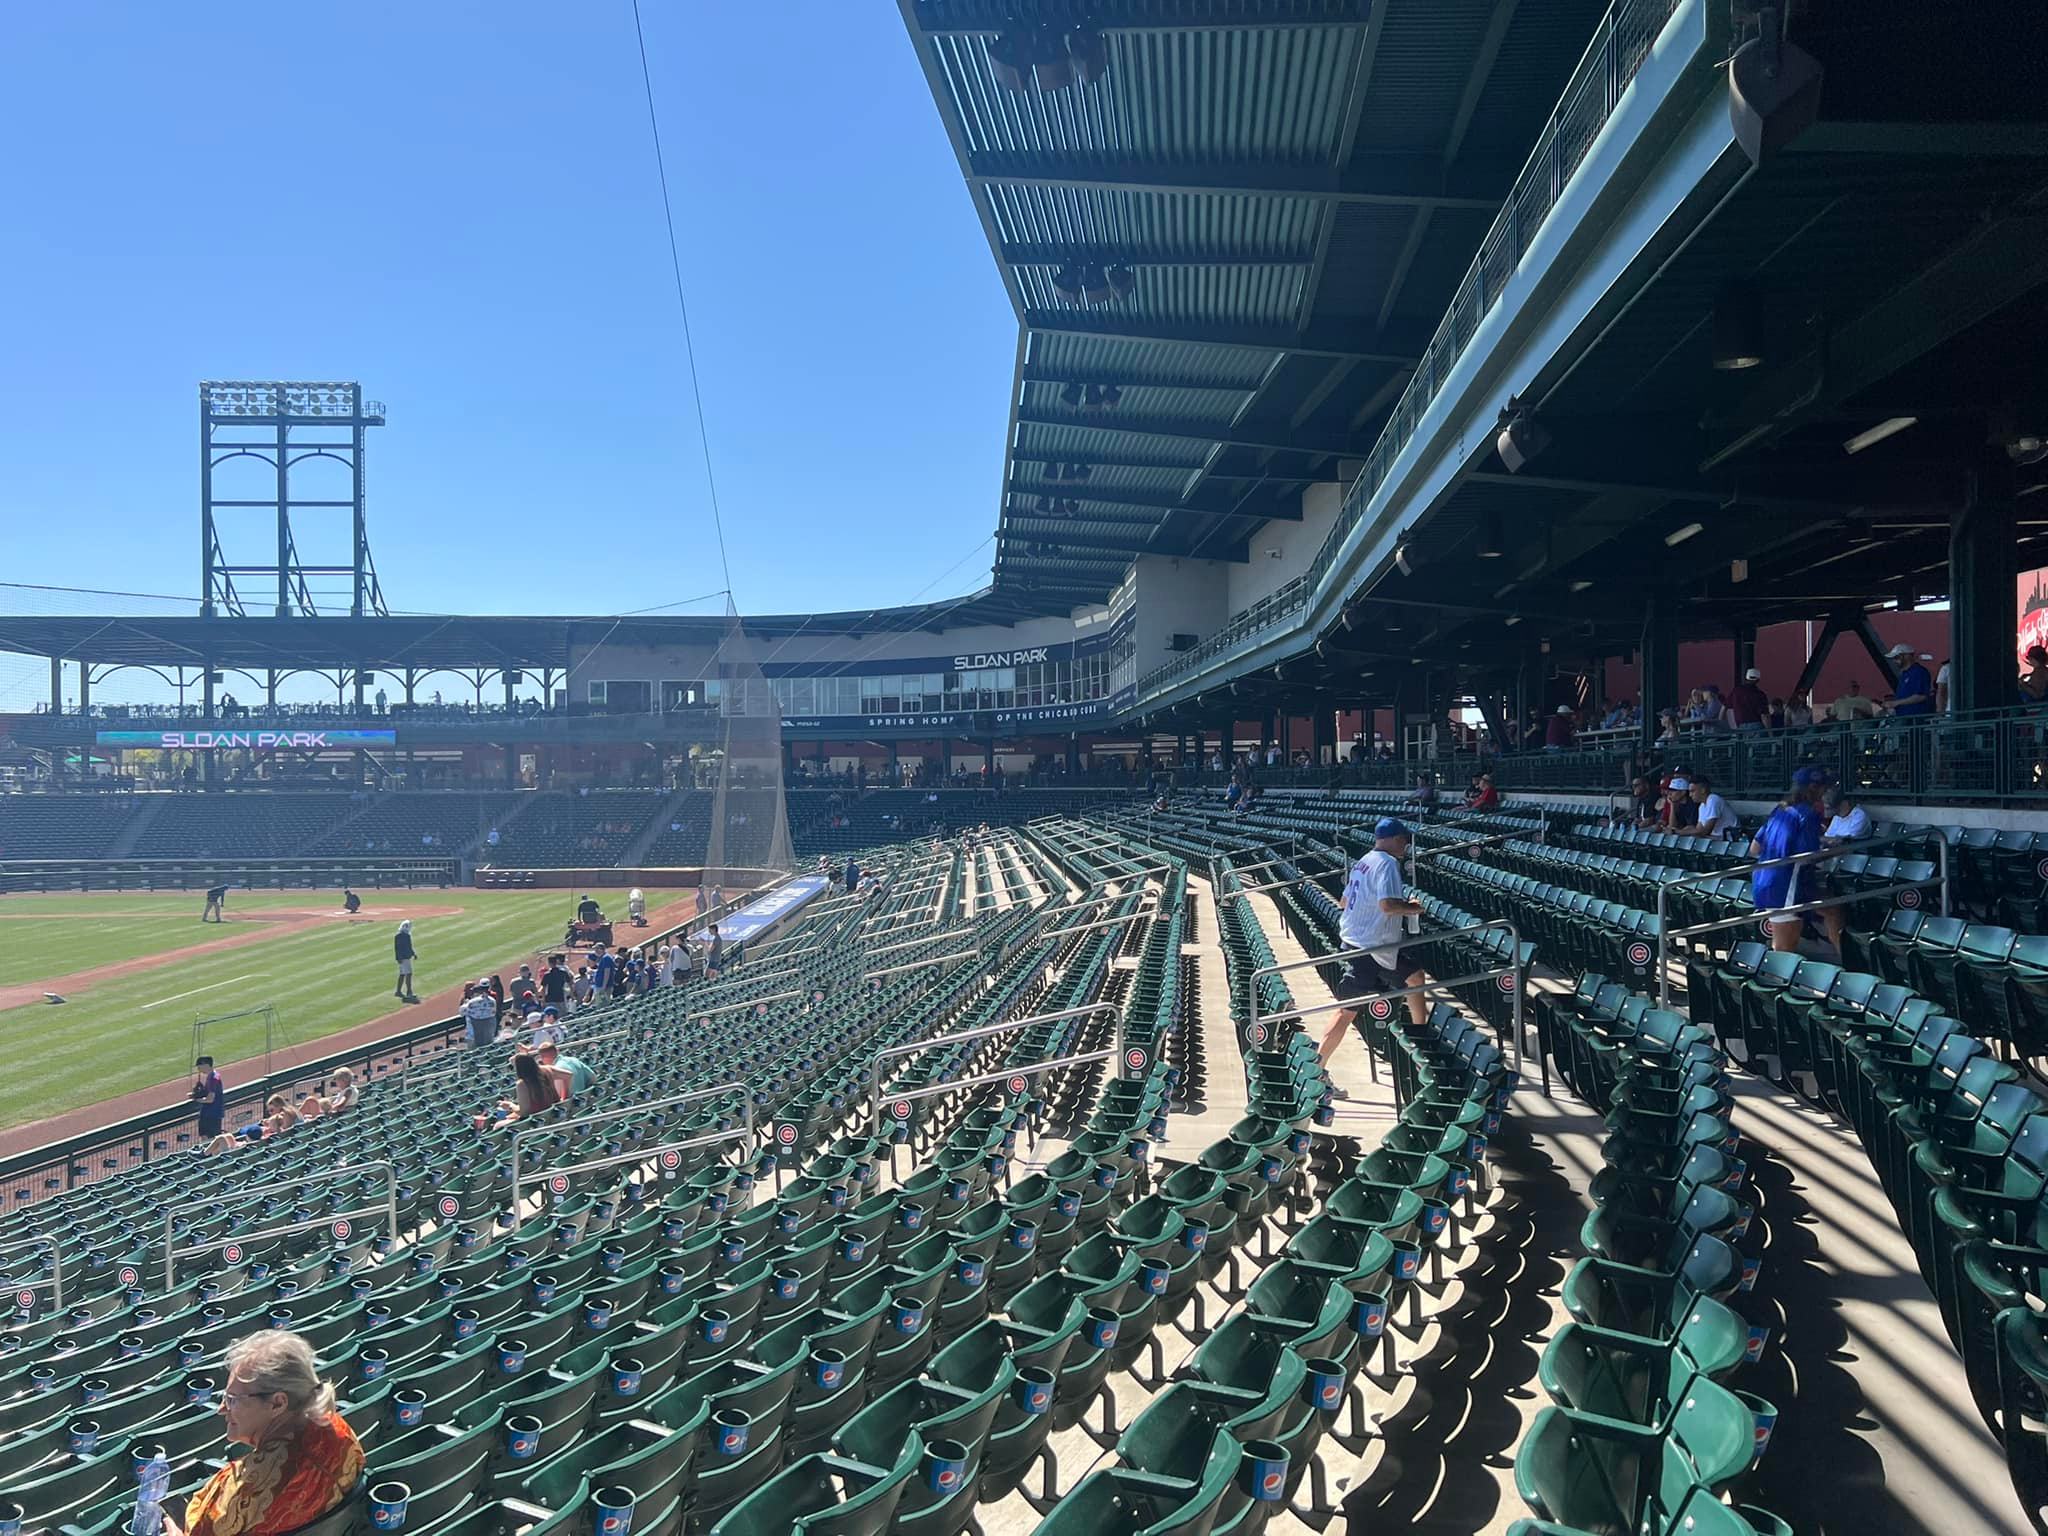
{"x": 456, "y": 204}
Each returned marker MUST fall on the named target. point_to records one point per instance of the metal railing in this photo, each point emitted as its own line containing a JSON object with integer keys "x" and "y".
{"x": 27, "y": 1288}
{"x": 1006, "y": 1027}
{"x": 1666, "y": 940}
{"x": 641, "y": 1154}
{"x": 700, "y": 1014}
{"x": 231, "y": 1247}
{"x": 1256, "y": 1023}
{"x": 920, "y": 965}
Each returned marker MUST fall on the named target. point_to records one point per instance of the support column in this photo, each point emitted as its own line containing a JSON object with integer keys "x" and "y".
{"x": 1982, "y": 570}
{"x": 84, "y": 687}
{"x": 1659, "y": 659}
{"x": 1745, "y": 651}
{"x": 206, "y": 707}
{"x": 1074, "y": 755}
{"x": 1323, "y": 729}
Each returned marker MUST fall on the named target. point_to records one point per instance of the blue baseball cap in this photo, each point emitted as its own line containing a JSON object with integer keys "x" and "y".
{"x": 1390, "y": 826}
{"x": 551, "y": 1009}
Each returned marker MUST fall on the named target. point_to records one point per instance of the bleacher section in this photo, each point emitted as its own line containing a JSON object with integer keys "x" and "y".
{"x": 63, "y": 826}
{"x": 254, "y": 825}
{"x": 1031, "y": 1226}
{"x": 576, "y": 830}
{"x": 397, "y": 823}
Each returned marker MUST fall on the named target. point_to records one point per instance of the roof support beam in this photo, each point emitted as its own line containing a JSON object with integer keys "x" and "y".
{"x": 1037, "y": 254}
{"x": 970, "y": 17}
{"x": 1997, "y": 265}
{"x": 1130, "y": 378}
{"x": 1187, "y": 431}
{"x": 1331, "y": 339}
{"x": 1385, "y": 181}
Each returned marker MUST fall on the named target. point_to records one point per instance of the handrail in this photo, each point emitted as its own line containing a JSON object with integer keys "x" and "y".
{"x": 900, "y": 1102}
{"x": 524, "y": 1130}
{"x": 1101, "y": 922}
{"x": 1787, "y": 861}
{"x": 637, "y": 1155}
{"x": 751, "y": 1002}
{"x": 982, "y": 1032}
{"x": 240, "y": 1240}
{"x": 1743, "y": 919}
{"x": 27, "y": 1288}
{"x": 1254, "y": 1025}
{"x": 1276, "y": 885}
{"x": 920, "y": 965}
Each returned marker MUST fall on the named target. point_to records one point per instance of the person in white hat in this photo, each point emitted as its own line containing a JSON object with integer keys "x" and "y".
{"x": 1914, "y": 694}
{"x": 1748, "y": 705}
{"x": 1562, "y": 734}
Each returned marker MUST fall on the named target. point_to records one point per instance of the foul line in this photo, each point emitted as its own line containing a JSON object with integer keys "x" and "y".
{"x": 197, "y": 990}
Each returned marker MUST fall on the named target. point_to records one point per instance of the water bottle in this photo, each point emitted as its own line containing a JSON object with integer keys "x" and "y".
{"x": 152, "y": 1482}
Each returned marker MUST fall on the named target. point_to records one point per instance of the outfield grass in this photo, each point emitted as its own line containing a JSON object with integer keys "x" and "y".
{"x": 132, "y": 1030}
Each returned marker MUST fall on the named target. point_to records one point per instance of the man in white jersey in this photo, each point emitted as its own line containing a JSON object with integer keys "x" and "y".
{"x": 1374, "y": 914}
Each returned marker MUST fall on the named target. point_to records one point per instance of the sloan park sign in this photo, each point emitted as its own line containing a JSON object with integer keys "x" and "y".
{"x": 250, "y": 740}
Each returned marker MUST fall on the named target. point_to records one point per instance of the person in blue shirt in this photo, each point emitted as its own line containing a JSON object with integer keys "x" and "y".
{"x": 1914, "y": 694}
{"x": 601, "y": 973}
{"x": 1793, "y": 828}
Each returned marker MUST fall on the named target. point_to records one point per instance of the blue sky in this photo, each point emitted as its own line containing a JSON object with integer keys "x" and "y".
{"x": 456, "y": 204}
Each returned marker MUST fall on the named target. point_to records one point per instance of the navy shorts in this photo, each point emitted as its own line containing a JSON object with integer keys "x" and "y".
{"x": 1363, "y": 976}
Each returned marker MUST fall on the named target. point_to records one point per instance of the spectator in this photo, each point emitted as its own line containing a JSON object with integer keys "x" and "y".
{"x": 1680, "y": 811}
{"x": 1944, "y": 700}
{"x": 546, "y": 1027}
{"x": 1914, "y": 695}
{"x": 218, "y": 1145}
{"x": 2034, "y": 681}
{"x": 1793, "y": 828}
{"x": 1373, "y": 918}
{"x": 1852, "y": 706}
{"x": 1747, "y": 704}
{"x": 211, "y": 1095}
{"x": 571, "y": 1076}
{"x": 1486, "y": 797}
{"x": 715, "y": 956}
{"x": 344, "y": 1092}
{"x": 1846, "y": 818}
{"x": 602, "y": 970}
{"x": 312, "y": 1107}
{"x": 1712, "y": 818}
{"x": 479, "y": 1013}
{"x": 1642, "y": 802}
{"x": 401, "y": 946}
{"x": 1562, "y": 732}
{"x": 1775, "y": 720}
{"x": 280, "y": 1116}
{"x": 1667, "y": 728}
{"x": 555, "y": 982}
{"x": 302, "y": 1461}
{"x": 533, "y": 1090}
{"x": 1798, "y": 712}
{"x": 1424, "y": 792}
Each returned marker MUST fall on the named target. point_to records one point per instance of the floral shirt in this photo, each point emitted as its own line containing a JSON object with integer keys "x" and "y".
{"x": 281, "y": 1484}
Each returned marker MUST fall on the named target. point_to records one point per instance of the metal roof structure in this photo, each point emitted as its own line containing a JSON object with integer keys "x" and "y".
{"x": 1892, "y": 263}
{"x": 420, "y": 641}
{"x": 1227, "y": 237}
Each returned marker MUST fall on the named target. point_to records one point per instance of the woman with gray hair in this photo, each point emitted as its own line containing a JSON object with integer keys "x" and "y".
{"x": 303, "y": 1461}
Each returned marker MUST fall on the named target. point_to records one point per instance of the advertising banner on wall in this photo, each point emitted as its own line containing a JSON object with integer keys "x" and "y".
{"x": 253, "y": 739}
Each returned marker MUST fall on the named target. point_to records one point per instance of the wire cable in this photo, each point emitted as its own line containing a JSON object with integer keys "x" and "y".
{"x": 682, "y": 303}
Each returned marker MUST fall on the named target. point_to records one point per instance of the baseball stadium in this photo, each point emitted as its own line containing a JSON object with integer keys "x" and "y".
{"x": 1450, "y": 940}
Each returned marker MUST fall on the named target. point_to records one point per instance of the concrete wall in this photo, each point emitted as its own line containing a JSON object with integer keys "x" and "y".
{"x": 1296, "y": 542}
{"x": 1174, "y": 596}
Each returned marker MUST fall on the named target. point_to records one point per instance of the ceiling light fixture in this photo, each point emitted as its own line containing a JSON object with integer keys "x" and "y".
{"x": 1738, "y": 331}
{"x": 1674, "y": 539}
{"x": 1581, "y": 584}
{"x": 1891, "y": 426}
{"x": 1493, "y": 536}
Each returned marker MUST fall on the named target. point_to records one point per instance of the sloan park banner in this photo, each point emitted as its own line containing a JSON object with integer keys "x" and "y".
{"x": 254, "y": 740}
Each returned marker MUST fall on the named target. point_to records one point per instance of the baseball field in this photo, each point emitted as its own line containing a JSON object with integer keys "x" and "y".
{"x": 135, "y": 971}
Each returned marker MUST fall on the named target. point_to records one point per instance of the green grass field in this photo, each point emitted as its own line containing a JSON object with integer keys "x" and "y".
{"x": 133, "y": 1028}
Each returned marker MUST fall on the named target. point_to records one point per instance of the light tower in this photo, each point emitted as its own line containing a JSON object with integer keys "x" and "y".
{"x": 282, "y": 425}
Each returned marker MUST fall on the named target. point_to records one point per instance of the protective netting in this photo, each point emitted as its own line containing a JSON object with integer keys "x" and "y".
{"x": 749, "y": 812}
